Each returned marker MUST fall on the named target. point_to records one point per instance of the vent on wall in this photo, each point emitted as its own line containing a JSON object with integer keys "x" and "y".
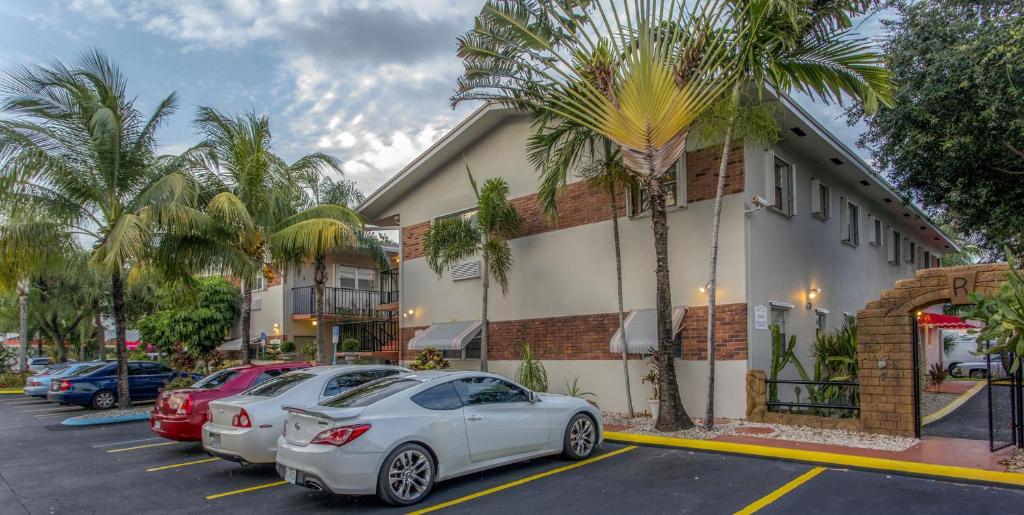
{"x": 466, "y": 270}
{"x": 798, "y": 131}
{"x": 257, "y": 304}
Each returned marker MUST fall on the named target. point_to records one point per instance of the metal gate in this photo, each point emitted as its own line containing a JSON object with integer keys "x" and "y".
{"x": 1005, "y": 413}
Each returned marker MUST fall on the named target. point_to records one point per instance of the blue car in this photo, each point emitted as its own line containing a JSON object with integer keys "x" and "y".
{"x": 95, "y": 386}
{"x": 39, "y": 385}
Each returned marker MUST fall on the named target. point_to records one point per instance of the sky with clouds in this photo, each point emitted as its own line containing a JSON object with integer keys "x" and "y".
{"x": 365, "y": 80}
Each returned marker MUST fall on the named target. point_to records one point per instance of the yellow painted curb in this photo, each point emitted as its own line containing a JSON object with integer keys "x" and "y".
{"x": 10, "y": 391}
{"x": 827, "y": 458}
{"x": 959, "y": 401}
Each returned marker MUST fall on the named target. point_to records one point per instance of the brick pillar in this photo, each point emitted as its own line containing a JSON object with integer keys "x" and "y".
{"x": 756, "y": 392}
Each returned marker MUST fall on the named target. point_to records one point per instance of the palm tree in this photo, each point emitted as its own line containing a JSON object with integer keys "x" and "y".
{"x": 326, "y": 227}
{"x": 248, "y": 194}
{"x": 486, "y": 233}
{"x": 790, "y": 45}
{"x": 644, "y": 94}
{"x": 77, "y": 148}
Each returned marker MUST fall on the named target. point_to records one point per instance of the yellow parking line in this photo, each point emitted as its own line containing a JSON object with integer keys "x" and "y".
{"x": 959, "y": 401}
{"x": 178, "y": 465}
{"x": 142, "y": 446}
{"x": 780, "y": 491}
{"x": 518, "y": 482}
{"x": 244, "y": 490}
{"x": 10, "y": 391}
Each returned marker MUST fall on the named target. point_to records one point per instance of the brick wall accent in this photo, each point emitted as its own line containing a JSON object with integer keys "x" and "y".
{"x": 580, "y": 204}
{"x": 885, "y": 334}
{"x": 730, "y": 332}
{"x": 586, "y": 336}
{"x": 412, "y": 240}
{"x": 702, "y": 172}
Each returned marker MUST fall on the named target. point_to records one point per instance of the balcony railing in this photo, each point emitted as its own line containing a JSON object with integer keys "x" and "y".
{"x": 373, "y": 335}
{"x": 342, "y": 301}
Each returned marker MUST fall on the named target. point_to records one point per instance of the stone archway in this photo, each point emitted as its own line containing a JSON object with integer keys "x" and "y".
{"x": 885, "y": 334}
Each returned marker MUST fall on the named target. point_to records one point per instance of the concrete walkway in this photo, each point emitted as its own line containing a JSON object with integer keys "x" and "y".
{"x": 970, "y": 420}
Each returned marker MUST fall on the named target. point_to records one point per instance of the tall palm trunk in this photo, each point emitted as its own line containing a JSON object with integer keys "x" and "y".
{"x": 99, "y": 332}
{"x": 618, "y": 291}
{"x": 62, "y": 349}
{"x": 324, "y": 348}
{"x": 716, "y": 222}
{"x": 23, "y": 325}
{"x": 672, "y": 415}
{"x": 246, "y": 319}
{"x": 117, "y": 293}
{"x": 483, "y": 317}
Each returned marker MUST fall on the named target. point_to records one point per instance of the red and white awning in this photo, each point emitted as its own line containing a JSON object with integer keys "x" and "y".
{"x": 941, "y": 321}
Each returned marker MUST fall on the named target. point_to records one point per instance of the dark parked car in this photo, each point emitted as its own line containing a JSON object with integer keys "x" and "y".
{"x": 96, "y": 386}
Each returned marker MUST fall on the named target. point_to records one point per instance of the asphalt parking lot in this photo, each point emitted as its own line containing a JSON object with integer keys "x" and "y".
{"x": 49, "y": 468}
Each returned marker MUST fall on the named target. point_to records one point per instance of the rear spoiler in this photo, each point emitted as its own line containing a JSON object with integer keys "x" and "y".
{"x": 340, "y": 414}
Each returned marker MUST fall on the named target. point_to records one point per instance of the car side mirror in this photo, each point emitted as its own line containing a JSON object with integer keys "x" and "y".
{"x": 533, "y": 397}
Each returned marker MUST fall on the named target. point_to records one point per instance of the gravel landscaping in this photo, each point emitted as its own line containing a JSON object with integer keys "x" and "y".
{"x": 724, "y": 427}
{"x": 1016, "y": 462}
{"x": 932, "y": 401}
{"x": 114, "y": 413}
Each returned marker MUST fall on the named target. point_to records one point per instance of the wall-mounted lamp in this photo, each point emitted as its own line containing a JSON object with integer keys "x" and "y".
{"x": 811, "y": 295}
{"x": 410, "y": 313}
{"x": 705, "y": 288}
{"x": 276, "y": 325}
{"x": 314, "y": 322}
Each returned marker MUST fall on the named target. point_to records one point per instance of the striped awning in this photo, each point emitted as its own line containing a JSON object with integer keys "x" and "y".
{"x": 446, "y": 336}
{"x": 642, "y": 331}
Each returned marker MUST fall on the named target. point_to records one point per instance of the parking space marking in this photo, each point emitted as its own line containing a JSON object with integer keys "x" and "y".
{"x": 57, "y": 414}
{"x": 179, "y": 465}
{"x": 245, "y": 490}
{"x": 53, "y": 409}
{"x": 780, "y": 491}
{"x": 524, "y": 480}
{"x": 126, "y": 442}
{"x": 142, "y": 446}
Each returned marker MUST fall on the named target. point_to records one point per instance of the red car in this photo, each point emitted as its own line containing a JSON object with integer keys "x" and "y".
{"x": 180, "y": 414}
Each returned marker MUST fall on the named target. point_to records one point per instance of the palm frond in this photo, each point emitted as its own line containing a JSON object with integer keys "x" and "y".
{"x": 450, "y": 241}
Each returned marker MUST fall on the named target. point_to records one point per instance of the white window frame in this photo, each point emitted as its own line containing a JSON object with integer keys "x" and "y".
{"x": 912, "y": 247}
{"x": 821, "y": 319}
{"x": 680, "y": 193}
{"x": 789, "y": 190}
{"x": 849, "y": 228}
{"x": 894, "y": 244}
{"x": 260, "y": 283}
{"x": 877, "y": 228}
{"x": 821, "y": 205}
{"x": 356, "y": 273}
{"x": 784, "y": 308}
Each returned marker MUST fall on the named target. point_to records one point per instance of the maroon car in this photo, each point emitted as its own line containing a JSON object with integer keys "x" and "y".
{"x": 180, "y": 414}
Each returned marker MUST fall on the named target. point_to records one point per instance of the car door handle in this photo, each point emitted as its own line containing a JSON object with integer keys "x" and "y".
{"x": 474, "y": 418}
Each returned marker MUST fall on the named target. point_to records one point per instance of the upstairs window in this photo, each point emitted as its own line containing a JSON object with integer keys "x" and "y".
{"x": 877, "y": 232}
{"x": 894, "y": 247}
{"x": 911, "y": 252}
{"x": 675, "y": 191}
{"x": 927, "y": 261}
{"x": 782, "y": 187}
{"x": 821, "y": 200}
{"x": 850, "y": 223}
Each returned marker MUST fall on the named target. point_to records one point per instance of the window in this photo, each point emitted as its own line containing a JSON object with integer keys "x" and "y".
{"x": 356, "y": 278}
{"x": 849, "y": 319}
{"x": 821, "y": 320}
{"x": 470, "y": 351}
{"x": 135, "y": 369}
{"x": 385, "y": 373}
{"x": 911, "y": 252}
{"x": 278, "y": 385}
{"x": 675, "y": 190}
{"x": 821, "y": 200}
{"x": 344, "y": 382}
{"x": 154, "y": 368}
{"x": 877, "y": 233}
{"x": 895, "y": 246}
{"x": 267, "y": 375}
{"x": 780, "y": 191}
{"x": 370, "y": 393}
{"x": 440, "y": 397}
{"x": 927, "y": 261}
{"x": 259, "y": 283}
{"x": 488, "y": 390}
{"x": 779, "y": 315}
{"x": 851, "y": 223}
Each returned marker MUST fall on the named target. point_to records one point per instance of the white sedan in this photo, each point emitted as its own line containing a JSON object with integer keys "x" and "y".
{"x": 395, "y": 437}
{"x": 245, "y": 427}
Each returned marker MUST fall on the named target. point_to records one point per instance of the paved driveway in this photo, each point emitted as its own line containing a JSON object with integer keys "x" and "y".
{"x": 46, "y": 468}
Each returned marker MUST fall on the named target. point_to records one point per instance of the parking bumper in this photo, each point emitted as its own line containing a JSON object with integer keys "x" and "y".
{"x": 330, "y": 468}
{"x": 244, "y": 445}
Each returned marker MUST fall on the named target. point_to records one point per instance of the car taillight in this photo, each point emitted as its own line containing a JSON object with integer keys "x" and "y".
{"x": 33, "y": 382}
{"x": 185, "y": 408}
{"x": 341, "y": 435}
{"x": 64, "y": 385}
{"x": 241, "y": 419}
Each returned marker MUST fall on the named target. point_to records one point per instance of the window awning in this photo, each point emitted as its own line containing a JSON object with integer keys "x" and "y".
{"x": 945, "y": 321}
{"x": 642, "y": 331}
{"x": 446, "y": 336}
{"x": 234, "y": 345}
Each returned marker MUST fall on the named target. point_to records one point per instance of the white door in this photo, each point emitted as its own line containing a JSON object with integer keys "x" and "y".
{"x": 500, "y": 419}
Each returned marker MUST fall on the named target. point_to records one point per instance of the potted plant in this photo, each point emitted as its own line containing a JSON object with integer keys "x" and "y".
{"x": 350, "y": 350}
{"x": 653, "y": 377}
{"x": 429, "y": 359}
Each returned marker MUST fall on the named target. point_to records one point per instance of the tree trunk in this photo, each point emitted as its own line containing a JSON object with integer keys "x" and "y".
{"x": 246, "y": 319}
{"x": 117, "y": 292}
{"x": 62, "y": 349}
{"x": 716, "y": 221}
{"x": 483, "y": 317}
{"x": 671, "y": 413}
{"x": 23, "y": 325}
{"x": 99, "y": 332}
{"x": 618, "y": 284}
{"x": 324, "y": 348}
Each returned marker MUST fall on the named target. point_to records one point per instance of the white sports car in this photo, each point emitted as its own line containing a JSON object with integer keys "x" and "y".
{"x": 395, "y": 437}
{"x": 245, "y": 427}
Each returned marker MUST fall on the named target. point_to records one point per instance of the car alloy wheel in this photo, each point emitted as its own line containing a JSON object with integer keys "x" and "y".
{"x": 581, "y": 436}
{"x": 409, "y": 475}
{"x": 104, "y": 400}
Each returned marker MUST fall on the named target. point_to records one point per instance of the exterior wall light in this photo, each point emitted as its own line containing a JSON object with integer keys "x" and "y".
{"x": 811, "y": 295}
{"x": 410, "y": 313}
{"x": 314, "y": 322}
{"x": 705, "y": 288}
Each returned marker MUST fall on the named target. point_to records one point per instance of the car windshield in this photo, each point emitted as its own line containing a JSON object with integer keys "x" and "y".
{"x": 278, "y": 385}
{"x": 370, "y": 393}
{"x": 216, "y": 379}
{"x": 89, "y": 369}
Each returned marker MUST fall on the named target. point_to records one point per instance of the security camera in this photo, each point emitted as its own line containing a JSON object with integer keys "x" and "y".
{"x": 759, "y": 201}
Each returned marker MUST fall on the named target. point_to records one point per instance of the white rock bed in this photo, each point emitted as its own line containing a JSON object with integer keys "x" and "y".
{"x": 114, "y": 413}
{"x": 645, "y": 425}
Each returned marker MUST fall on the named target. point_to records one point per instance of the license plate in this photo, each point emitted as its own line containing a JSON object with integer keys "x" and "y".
{"x": 156, "y": 425}
{"x": 214, "y": 440}
{"x": 290, "y": 475}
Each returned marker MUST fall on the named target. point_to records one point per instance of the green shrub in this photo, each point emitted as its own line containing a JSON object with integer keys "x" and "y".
{"x": 350, "y": 345}
{"x": 178, "y": 383}
{"x": 287, "y": 347}
{"x": 139, "y": 354}
{"x": 309, "y": 349}
{"x": 13, "y": 379}
{"x": 531, "y": 372}
{"x": 429, "y": 359}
